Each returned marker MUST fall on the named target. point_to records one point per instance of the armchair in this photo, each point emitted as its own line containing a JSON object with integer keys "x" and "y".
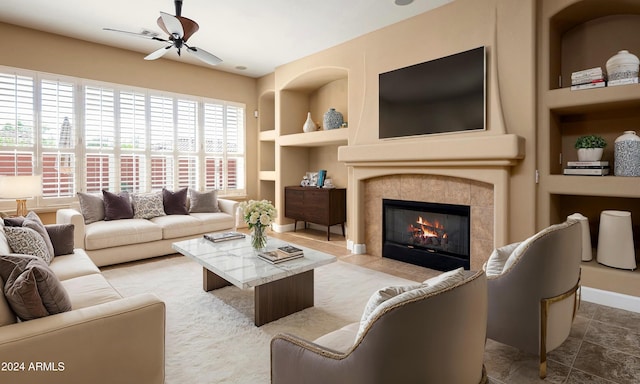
{"x": 432, "y": 336}
{"x": 533, "y": 290}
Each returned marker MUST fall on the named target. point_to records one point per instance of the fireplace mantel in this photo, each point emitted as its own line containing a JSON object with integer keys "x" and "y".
{"x": 498, "y": 150}
{"x": 484, "y": 158}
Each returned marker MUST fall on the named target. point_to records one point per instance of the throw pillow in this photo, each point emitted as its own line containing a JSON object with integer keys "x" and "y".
{"x": 62, "y": 238}
{"x": 33, "y": 221}
{"x": 147, "y": 205}
{"x": 91, "y": 206}
{"x": 117, "y": 206}
{"x": 4, "y": 244}
{"x": 382, "y": 295}
{"x": 435, "y": 284}
{"x": 31, "y": 288}
{"x": 13, "y": 221}
{"x": 175, "y": 203}
{"x": 203, "y": 201}
{"x": 495, "y": 265}
{"x": 26, "y": 241}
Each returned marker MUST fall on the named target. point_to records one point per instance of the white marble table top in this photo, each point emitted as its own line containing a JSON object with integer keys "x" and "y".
{"x": 237, "y": 262}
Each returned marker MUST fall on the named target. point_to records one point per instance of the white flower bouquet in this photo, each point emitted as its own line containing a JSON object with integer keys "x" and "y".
{"x": 258, "y": 215}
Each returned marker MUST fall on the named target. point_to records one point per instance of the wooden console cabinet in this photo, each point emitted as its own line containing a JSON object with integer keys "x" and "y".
{"x": 316, "y": 205}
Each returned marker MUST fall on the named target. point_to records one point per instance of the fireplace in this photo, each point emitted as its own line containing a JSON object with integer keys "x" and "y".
{"x": 431, "y": 235}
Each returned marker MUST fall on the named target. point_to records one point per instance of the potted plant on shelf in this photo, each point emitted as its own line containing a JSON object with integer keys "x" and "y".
{"x": 590, "y": 147}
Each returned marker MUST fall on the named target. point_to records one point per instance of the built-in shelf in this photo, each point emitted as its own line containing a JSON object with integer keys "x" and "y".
{"x": 268, "y": 175}
{"x": 268, "y": 135}
{"x": 566, "y": 101}
{"x": 600, "y": 276}
{"x": 315, "y": 139}
{"x": 612, "y": 186}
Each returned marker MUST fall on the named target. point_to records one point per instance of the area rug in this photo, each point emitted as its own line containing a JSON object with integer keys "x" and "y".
{"x": 210, "y": 336}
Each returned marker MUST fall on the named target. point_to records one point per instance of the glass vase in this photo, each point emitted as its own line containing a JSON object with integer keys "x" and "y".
{"x": 259, "y": 238}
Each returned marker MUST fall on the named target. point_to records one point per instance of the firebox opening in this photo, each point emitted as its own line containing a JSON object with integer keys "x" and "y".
{"x": 431, "y": 235}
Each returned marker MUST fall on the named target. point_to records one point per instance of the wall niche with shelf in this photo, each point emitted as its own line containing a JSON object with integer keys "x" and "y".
{"x": 577, "y": 35}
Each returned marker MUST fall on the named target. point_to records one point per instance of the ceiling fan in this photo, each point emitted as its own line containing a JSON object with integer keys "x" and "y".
{"x": 179, "y": 29}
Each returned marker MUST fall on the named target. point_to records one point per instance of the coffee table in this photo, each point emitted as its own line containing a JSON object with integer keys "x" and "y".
{"x": 279, "y": 289}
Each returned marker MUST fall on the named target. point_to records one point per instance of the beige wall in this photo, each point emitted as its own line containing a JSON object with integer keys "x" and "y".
{"x": 505, "y": 27}
{"x": 38, "y": 51}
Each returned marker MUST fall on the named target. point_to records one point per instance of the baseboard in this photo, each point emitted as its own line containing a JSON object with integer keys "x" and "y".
{"x": 611, "y": 299}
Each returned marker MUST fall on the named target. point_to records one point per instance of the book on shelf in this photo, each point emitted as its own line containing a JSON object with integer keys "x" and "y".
{"x": 587, "y": 171}
{"x": 289, "y": 250}
{"x": 223, "y": 236}
{"x": 631, "y": 80}
{"x": 275, "y": 257}
{"x": 588, "y": 80}
{"x": 587, "y": 164}
{"x": 598, "y": 84}
{"x": 587, "y": 72}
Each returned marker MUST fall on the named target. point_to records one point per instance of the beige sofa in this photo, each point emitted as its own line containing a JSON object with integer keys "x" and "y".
{"x": 105, "y": 338}
{"x": 119, "y": 241}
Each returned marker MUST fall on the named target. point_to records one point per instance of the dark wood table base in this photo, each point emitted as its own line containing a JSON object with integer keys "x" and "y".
{"x": 275, "y": 299}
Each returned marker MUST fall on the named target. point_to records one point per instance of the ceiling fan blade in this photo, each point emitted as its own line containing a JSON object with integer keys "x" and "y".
{"x": 205, "y": 56}
{"x": 170, "y": 24}
{"x": 144, "y": 35}
{"x": 158, "y": 53}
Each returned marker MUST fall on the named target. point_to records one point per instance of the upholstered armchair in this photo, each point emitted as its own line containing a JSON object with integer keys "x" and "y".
{"x": 533, "y": 290}
{"x": 432, "y": 332}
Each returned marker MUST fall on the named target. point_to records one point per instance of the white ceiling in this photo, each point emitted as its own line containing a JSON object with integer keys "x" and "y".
{"x": 257, "y": 34}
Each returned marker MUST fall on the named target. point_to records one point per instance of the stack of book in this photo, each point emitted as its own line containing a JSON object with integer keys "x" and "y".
{"x": 281, "y": 254}
{"x": 589, "y": 168}
{"x": 587, "y": 79}
{"x": 223, "y": 236}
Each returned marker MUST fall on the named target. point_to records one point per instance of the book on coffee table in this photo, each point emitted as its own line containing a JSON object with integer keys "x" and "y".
{"x": 223, "y": 236}
{"x": 275, "y": 257}
{"x": 289, "y": 250}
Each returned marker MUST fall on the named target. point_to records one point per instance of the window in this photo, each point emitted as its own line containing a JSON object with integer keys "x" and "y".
{"x": 87, "y": 136}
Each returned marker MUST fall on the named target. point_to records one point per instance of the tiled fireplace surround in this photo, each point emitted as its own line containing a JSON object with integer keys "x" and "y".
{"x": 433, "y": 189}
{"x": 472, "y": 171}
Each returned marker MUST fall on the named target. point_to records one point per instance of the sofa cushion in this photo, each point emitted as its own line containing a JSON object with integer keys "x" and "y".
{"x": 107, "y": 234}
{"x": 203, "y": 201}
{"x": 62, "y": 238}
{"x": 86, "y": 291}
{"x": 147, "y": 205}
{"x": 26, "y": 241}
{"x": 117, "y": 206}
{"x": 33, "y": 221}
{"x": 174, "y": 226}
{"x": 175, "y": 203}
{"x": 31, "y": 288}
{"x": 212, "y": 222}
{"x": 73, "y": 265}
{"x": 91, "y": 206}
{"x": 498, "y": 258}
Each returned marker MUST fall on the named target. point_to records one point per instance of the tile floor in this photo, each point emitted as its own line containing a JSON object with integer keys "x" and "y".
{"x": 603, "y": 348}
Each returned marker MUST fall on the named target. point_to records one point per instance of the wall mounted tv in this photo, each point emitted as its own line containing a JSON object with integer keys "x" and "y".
{"x": 437, "y": 96}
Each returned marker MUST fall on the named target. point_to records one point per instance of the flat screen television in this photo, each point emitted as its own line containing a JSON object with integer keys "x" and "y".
{"x": 438, "y": 96}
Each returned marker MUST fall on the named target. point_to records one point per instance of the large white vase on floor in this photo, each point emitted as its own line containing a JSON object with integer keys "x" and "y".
{"x": 615, "y": 240}
{"x": 587, "y": 255}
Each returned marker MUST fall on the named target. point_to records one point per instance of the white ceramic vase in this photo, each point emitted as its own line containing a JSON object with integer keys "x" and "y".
{"x": 309, "y": 125}
{"x": 590, "y": 154}
{"x": 615, "y": 240}
{"x": 622, "y": 65}
{"x": 627, "y": 154}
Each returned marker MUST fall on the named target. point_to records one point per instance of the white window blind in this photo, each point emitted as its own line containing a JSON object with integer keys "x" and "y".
{"x": 88, "y": 136}
{"x": 57, "y": 118}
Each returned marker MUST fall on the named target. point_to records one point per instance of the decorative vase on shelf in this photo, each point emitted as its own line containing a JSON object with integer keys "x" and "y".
{"x": 332, "y": 119}
{"x": 590, "y": 154}
{"x": 627, "y": 154}
{"x": 309, "y": 125}
{"x": 622, "y": 65}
